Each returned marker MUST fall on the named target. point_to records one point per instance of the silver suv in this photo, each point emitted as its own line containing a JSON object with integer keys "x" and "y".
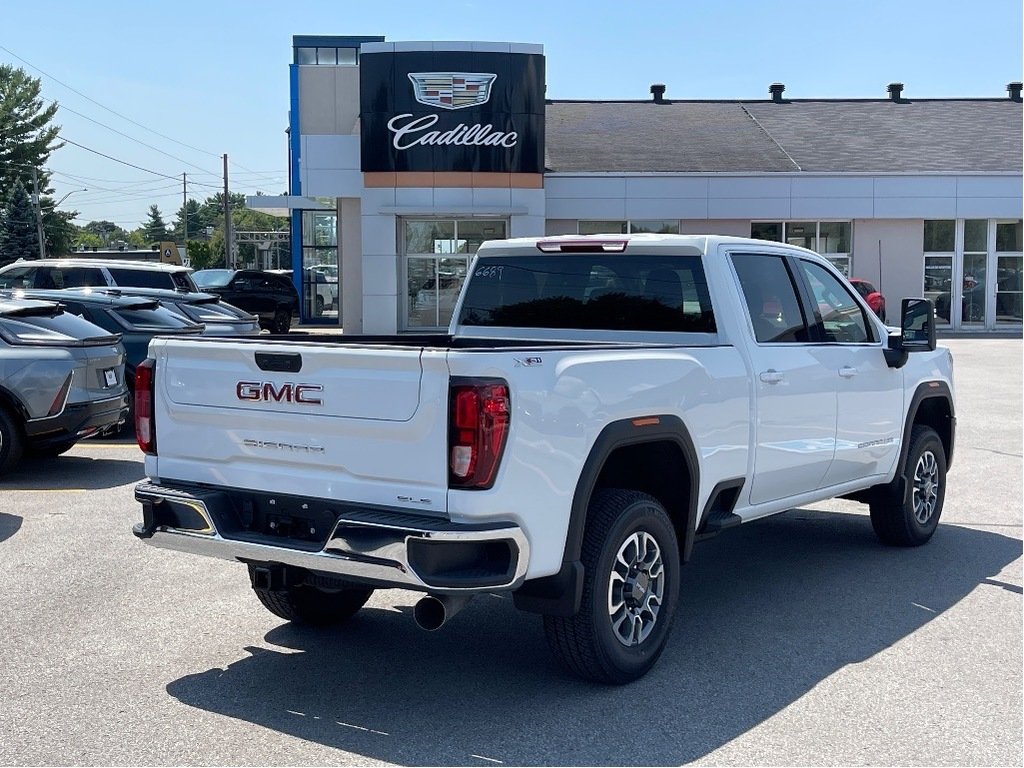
{"x": 54, "y": 274}
{"x": 61, "y": 379}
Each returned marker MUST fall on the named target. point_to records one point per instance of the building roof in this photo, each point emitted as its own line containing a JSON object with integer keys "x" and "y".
{"x": 828, "y": 136}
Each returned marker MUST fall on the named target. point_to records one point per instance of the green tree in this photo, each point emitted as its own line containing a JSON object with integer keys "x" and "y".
{"x": 200, "y": 255}
{"x": 60, "y": 231}
{"x": 107, "y": 232}
{"x": 19, "y": 236}
{"x": 27, "y": 138}
{"x": 191, "y": 209}
{"x": 155, "y": 229}
{"x": 86, "y": 239}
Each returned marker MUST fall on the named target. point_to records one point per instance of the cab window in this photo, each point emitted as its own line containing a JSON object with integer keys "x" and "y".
{"x": 841, "y": 317}
{"x": 771, "y": 298}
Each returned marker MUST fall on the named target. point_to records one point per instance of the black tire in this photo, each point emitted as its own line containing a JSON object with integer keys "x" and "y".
{"x": 318, "y": 309}
{"x": 909, "y": 519}
{"x": 312, "y": 606}
{"x": 282, "y": 321}
{"x": 11, "y": 441}
{"x": 592, "y": 644}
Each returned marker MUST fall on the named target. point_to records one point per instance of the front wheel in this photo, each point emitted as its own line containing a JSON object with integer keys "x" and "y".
{"x": 909, "y": 519}
{"x": 282, "y": 321}
{"x": 11, "y": 441}
{"x": 313, "y": 606}
{"x": 630, "y": 588}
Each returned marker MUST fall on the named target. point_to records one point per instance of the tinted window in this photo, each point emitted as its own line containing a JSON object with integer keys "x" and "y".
{"x": 141, "y": 278}
{"x": 771, "y": 298}
{"x": 81, "y": 277}
{"x": 214, "y": 278}
{"x": 50, "y": 329}
{"x": 841, "y": 316}
{"x": 17, "y": 277}
{"x": 590, "y": 291}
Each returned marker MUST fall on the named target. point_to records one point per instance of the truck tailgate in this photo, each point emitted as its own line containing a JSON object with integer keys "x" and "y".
{"x": 346, "y": 422}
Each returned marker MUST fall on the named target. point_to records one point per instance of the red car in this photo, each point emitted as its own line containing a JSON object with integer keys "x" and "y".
{"x": 874, "y": 299}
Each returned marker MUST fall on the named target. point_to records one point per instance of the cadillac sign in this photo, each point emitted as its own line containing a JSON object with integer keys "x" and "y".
{"x": 464, "y": 111}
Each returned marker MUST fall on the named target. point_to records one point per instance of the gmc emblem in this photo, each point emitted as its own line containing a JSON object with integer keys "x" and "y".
{"x": 267, "y": 391}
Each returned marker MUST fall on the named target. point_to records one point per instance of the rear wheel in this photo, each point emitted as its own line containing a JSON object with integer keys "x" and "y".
{"x": 631, "y": 585}
{"x": 909, "y": 519}
{"x": 282, "y": 321}
{"x": 313, "y": 606}
{"x": 53, "y": 451}
{"x": 11, "y": 441}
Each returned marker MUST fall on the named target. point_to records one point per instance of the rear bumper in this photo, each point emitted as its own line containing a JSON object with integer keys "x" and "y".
{"x": 77, "y": 421}
{"x": 382, "y": 547}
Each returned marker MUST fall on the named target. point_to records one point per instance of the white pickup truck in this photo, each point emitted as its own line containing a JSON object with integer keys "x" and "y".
{"x": 598, "y": 404}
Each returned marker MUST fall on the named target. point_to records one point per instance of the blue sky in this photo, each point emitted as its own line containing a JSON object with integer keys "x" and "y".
{"x": 214, "y": 75}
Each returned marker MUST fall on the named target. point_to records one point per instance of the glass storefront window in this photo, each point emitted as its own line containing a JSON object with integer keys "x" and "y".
{"x": 1009, "y": 289}
{"x": 305, "y": 55}
{"x": 437, "y": 255}
{"x": 939, "y": 235}
{"x": 767, "y": 230}
{"x": 327, "y": 56}
{"x": 801, "y": 233}
{"x": 602, "y": 227}
{"x": 348, "y": 57}
{"x": 842, "y": 263}
{"x": 975, "y": 236}
{"x": 938, "y": 280}
{"x": 834, "y": 237}
{"x": 1008, "y": 236}
{"x": 321, "y": 273}
{"x": 658, "y": 227}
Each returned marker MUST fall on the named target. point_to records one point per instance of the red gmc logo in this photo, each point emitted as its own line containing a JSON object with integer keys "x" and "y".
{"x": 267, "y": 391}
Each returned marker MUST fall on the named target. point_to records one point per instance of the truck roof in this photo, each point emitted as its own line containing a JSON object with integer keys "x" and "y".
{"x": 686, "y": 244}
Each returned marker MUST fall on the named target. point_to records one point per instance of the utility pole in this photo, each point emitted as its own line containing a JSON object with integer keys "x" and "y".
{"x": 184, "y": 213}
{"x": 229, "y": 251}
{"x": 39, "y": 214}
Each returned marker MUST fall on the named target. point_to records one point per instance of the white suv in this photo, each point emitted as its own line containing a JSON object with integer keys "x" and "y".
{"x": 82, "y": 273}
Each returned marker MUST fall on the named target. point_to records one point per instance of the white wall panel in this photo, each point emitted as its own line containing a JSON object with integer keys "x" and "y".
{"x": 331, "y": 153}
{"x": 915, "y": 207}
{"x": 915, "y": 186}
{"x": 833, "y": 187}
{"x": 988, "y": 186}
{"x": 749, "y": 208}
{"x": 583, "y": 208}
{"x": 749, "y": 187}
{"x": 832, "y": 207}
{"x": 331, "y": 183}
{"x": 379, "y": 234}
{"x": 988, "y": 208}
{"x": 380, "y": 314}
{"x": 416, "y": 197}
{"x": 495, "y": 198}
{"x": 526, "y": 226}
{"x": 452, "y": 199}
{"x": 375, "y": 198}
{"x": 380, "y": 274}
{"x": 667, "y": 208}
{"x": 588, "y": 187}
{"x": 664, "y": 187}
{"x": 533, "y": 200}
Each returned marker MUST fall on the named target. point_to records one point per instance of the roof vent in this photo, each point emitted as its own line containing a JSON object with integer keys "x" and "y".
{"x": 658, "y": 91}
{"x": 895, "y": 91}
{"x": 776, "y": 89}
{"x": 1014, "y": 90}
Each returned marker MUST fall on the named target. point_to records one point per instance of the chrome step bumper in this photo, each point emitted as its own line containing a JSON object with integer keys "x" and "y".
{"x": 384, "y": 547}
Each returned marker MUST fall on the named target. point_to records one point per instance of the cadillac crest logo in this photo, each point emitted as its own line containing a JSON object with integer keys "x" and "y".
{"x": 452, "y": 90}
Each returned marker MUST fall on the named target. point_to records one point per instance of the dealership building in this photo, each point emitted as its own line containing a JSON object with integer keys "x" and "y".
{"x": 405, "y": 156}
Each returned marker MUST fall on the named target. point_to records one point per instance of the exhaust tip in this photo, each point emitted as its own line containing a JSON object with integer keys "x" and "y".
{"x": 430, "y": 613}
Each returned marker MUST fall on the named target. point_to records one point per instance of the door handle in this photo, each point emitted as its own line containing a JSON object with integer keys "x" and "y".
{"x": 848, "y": 371}
{"x": 771, "y": 376}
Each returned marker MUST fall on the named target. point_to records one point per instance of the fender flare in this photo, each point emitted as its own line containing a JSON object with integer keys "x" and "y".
{"x": 927, "y": 390}
{"x": 561, "y": 593}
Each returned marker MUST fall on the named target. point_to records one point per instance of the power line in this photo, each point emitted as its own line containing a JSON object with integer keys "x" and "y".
{"x": 131, "y": 138}
{"x": 125, "y": 162}
{"x": 108, "y": 109}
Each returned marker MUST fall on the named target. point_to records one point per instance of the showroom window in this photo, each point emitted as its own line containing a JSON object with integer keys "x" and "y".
{"x": 321, "y": 277}
{"x": 1009, "y": 261}
{"x": 327, "y": 57}
{"x": 437, "y": 254}
{"x": 829, "y": 238}
{"x": 636, "y": 226}
{"x": 939, "y": 248}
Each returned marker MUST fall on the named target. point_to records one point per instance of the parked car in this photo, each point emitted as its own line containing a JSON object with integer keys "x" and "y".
{"x": 61, "y": 379}
{"x": 219, "y": 317}
{"x": 55, "y": 274}
{"x": 137, "y": 319}
{"x": 871, "y": 295}
{"x": 325, "y": 296}
{"x": 272, "y": 298}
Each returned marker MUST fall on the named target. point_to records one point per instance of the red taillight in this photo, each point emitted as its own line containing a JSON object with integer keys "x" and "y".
{"x": 478, "y": 426}
{"x": 145, "y": 427}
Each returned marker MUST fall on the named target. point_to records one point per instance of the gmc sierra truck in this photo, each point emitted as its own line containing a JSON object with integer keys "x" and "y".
{"x": 597, "y": 405}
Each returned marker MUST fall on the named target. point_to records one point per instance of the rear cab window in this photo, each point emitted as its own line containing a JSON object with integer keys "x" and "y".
{"x": 589, "y": 291}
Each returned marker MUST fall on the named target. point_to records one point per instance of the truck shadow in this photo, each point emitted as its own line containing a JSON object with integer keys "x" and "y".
{"x": 71, "y": 472}
{"x": 9, "y": 525}
{"x": 769, "y": 610}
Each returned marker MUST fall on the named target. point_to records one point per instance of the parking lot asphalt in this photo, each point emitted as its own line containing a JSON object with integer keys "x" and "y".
{"x": 799, "y": 640}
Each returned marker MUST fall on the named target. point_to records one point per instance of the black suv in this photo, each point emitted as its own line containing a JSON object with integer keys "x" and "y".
{"x": 270, "y": 297}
